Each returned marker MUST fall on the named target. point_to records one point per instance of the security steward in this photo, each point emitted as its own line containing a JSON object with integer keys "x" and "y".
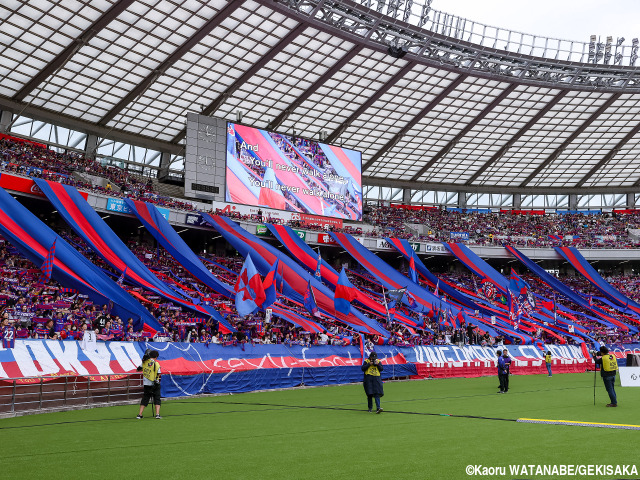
{"x": 608, "y": 369}
{"x": 150, "y": 369}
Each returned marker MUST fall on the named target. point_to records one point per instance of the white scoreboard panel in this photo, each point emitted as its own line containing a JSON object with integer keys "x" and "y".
{"x": 205, "y": 157}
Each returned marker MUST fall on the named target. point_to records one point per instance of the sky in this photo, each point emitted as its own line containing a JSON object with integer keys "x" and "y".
{"x": 564, "y": 19}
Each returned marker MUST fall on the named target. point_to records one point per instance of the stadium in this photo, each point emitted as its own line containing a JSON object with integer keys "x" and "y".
{"x": 265, "y": 193}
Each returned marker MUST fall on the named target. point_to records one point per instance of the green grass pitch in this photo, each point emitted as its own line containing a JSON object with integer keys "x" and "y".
{"x": 325, "y": 432}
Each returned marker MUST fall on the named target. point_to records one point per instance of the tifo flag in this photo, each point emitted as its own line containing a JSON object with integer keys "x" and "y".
{"x": 310, "y": 301}
{"x": 269, "y": 196}
{"x": 269, "y": 285}
{"x": 318, "y": 275}
{"x": 516, "y": 284}
{"x": 345, "y": 293}
{"x": 521, "y": 289}
{"x": 392, "y": 312}
{"x": 397, "y": 294}
{"x": 413, "y": 275}
{"x": 121, "y": 279}
{"x": 411, "y": 299}
{"x": 249, "y": 289}
{"x": 47, "y": 265}
{"x": 488, "y": 289}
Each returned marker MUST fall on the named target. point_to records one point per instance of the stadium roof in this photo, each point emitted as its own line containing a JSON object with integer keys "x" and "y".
{"x": 453, "y": 113}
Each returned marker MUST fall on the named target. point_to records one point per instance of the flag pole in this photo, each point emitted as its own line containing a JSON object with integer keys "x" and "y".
{"x": 386, "y": 307}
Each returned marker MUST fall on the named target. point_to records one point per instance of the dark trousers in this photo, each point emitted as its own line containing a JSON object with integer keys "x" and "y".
{"x": 608, "y": 384}
{"x": 370, "y": 401}
{"x": 504, "y": 381}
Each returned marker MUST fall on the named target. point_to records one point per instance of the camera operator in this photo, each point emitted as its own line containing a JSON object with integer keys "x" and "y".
{"x": 150, "y": 369}
{"x": 608, "y": 369}
{"x": 372, "y": 381}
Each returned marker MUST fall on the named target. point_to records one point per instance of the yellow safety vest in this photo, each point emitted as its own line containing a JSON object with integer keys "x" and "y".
{"x": 547, "y": 358}
{"x": 609, "y": 363}
{"x": 150, "y": 369}
{"x": 372, "y": 370}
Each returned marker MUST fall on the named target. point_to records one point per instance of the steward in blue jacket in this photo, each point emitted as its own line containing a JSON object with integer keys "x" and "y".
{"x": 504, "y": 362}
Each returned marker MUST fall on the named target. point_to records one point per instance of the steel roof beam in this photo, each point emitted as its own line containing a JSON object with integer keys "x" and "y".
{"x": 71, "y": 49}
{"x": 558, "y": 151}
{"x": 191, "y": 42}
{"x": 414, "y": 121}
{"x": 370, "y": 101}
{"x": 316, "y": 85}
{"x": 447, "y": 148}
{"x": 275, "y": 50}
{"x": 610, "y": 155}
{"x": 536, "y": 118}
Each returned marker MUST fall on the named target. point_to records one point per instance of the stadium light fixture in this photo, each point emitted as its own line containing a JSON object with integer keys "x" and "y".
{"x": 397, "y": 51}
{"x": 592, "y": 49}
{"x": 607, "y": 50}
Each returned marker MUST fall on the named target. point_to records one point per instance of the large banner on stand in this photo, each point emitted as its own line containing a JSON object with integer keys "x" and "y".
{"x": 193, "y": 368}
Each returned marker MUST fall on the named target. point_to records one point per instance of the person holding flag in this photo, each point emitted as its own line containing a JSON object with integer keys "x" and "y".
{"x": 372, "y": 381}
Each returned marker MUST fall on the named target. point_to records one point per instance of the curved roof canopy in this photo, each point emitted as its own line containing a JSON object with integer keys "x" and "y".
{"x": 447, "y": 115}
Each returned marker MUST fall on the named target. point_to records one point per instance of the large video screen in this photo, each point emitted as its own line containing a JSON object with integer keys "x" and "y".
{"x": 290, "y": 173}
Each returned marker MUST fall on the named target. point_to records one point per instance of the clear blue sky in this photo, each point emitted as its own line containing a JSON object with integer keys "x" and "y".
{"x": 565, "y": 19}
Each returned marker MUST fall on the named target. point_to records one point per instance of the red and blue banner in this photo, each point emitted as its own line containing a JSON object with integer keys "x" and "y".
{"x": 300, "y": 251}
{"x": 298, "y": 320}
{"x": 153, "y": 220}
{"x": 190, "y": 369}
{"x": 598, "y": 315}
{"x": 477, "y": 265}
{"x": 345, "y": 293}
{"x": 86, "y": 222}
{"x": 249, "y": 289}
{"x": 295, "y": 277}
{"x": 577, "y": 261}
{"x": 33, "y": 239}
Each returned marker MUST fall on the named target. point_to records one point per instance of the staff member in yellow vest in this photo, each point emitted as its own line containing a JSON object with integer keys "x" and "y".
{"x": 150, "y": 369}
{"x": 372, "y": 381}
{"x": 608, "y": 369}
{"x": 547, "y": 359}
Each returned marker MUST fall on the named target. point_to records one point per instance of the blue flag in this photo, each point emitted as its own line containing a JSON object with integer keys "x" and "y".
{"x": 318, "y": 274}
{"x": 310, "y": 301}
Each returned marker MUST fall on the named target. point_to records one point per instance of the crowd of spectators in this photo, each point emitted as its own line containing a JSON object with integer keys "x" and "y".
{"x": 38, "y": 161}
{"x": 50, "y": 311}
{"x": 603, "y": 230}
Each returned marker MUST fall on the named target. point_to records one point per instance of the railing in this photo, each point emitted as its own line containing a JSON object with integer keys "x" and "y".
{"x": 31, "y": 395}
{"x": 607, "y": 51}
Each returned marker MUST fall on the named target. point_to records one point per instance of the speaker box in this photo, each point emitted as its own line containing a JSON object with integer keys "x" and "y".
{"x": 633, "y": 360}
